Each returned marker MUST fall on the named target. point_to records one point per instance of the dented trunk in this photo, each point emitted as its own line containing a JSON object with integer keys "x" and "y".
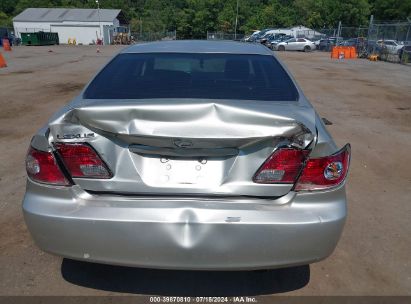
{"x": 186, "y": 146}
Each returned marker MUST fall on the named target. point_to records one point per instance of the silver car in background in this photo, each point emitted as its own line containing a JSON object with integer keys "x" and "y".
{"x": 392, "y": 46}
{"x": 188, "y": 155}
{"x": 295, "y": 44}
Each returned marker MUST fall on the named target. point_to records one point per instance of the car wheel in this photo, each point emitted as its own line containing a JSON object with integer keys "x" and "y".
{"x": 307, "y": 48}
{"x": 281, "y": 48}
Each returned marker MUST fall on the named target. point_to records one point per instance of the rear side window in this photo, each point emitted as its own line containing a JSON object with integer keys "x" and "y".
{"x": 180, "y": 75}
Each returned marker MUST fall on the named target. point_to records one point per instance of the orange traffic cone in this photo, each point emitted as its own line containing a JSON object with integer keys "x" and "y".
{"x": 6, "y": 45}
{"x": 2, "y": 61}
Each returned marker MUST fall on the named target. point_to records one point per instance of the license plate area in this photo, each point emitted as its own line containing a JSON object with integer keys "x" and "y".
{"x": 182, "y": 172}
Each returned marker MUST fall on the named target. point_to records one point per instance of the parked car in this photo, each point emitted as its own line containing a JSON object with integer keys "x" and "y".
{"x": 325, "y": 44}
{"x": 317, "y": 43}
{"x": 349, "y": 42}
{"x": 266, "y": 38}
{"x": 374, "y": 47}
{"x": 274, "y": 42}
{"x": 295, "y": 44}
{"x": 392, "y": 46}
{"x": 275, "y": 38}
{"x": 260, "y": 34}
{"x": 188, "y": 155}
{"x": 269, "y": 37}
{"x": 252, "y": 37}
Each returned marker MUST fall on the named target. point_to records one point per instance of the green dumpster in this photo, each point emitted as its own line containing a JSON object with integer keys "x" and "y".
{"x": 39, "y": 38}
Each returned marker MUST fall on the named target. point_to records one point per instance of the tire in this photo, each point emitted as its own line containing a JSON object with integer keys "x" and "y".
{"x": 281, "y": 48}
{"x": 307, "y": 48}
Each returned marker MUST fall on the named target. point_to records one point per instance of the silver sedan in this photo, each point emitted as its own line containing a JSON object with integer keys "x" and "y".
{"x": 295, "y": 44}
{"x": 188, "y": 155}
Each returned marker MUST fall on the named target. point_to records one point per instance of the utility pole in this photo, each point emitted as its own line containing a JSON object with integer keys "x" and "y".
{"x": 371, "y": 24}
{"x": 338, "y": 33}
{"x": 370, "y": 30}
{"x": 99, "y": 19}
{"x": 236, "y": 22}
{"x": 141, "y": 29}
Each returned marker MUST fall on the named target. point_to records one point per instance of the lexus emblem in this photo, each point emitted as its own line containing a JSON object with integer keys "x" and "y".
{"x": 183, "y": 143}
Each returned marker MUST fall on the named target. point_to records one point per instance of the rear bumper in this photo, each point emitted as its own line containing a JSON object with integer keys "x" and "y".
{"x": 185, "y": 233}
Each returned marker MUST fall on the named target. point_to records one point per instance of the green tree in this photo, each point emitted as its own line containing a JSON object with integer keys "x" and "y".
{"x": 327, "y": 13}
{"x": 391, "y": 9}
{"x": 274, "y": 14}
{"x": 184, "y": 23}
{"x": 4, "y": 20}
{"x": 193, "y": 18}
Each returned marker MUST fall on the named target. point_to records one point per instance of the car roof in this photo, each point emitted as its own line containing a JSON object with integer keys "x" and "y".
{"x": 198, "y": 46}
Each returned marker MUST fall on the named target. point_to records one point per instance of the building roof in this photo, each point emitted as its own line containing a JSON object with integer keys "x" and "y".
{"x": 66, "y": 14}
{"x": 199, "y": 46}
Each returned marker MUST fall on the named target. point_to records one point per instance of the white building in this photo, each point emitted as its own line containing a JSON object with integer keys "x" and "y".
{"x": 83, "y": 25}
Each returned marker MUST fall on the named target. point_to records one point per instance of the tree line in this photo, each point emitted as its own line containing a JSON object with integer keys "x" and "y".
{"x": 193, "y": 18}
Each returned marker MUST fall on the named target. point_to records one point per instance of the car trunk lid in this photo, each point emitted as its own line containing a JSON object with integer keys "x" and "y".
{"x": 185, "y": 147}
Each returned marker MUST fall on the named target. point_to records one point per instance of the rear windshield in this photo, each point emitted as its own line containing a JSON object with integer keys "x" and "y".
{"x": 208, "y": 76}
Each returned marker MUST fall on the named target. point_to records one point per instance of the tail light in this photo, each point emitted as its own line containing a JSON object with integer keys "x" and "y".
{"x": 290, "y": 166}
{"x": 282, "y": 167}
{"x": 42, "y": 167}
{"x": 325, "y": 172}
{"x": 81, "y": 160}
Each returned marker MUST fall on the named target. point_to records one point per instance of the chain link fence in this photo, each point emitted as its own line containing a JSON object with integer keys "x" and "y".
{"x": 224, "y": 36}
{"x": 390, "y": 41}
{"x": 349, "y": 32}
{"x": 8, "y": 32}
{"x": 153, "y": 36}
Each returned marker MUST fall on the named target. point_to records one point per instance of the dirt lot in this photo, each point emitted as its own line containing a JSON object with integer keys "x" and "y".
{"x": 369, "y": 105}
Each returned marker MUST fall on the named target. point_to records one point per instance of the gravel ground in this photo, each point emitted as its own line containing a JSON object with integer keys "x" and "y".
{"x": 369, "y": 104}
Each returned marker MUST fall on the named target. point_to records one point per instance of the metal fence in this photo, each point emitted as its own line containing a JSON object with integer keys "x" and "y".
{"x": 153, "y": 36}
{"x": 5, "y": 31}
{"x": 349, "y": 32}
{"x": 344, "y": 33}
{"x": 390, "y": 41}
{"x": 399, "y": 31}
{"x": 224, "y": 36}
{"x": 8, "y": 32}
